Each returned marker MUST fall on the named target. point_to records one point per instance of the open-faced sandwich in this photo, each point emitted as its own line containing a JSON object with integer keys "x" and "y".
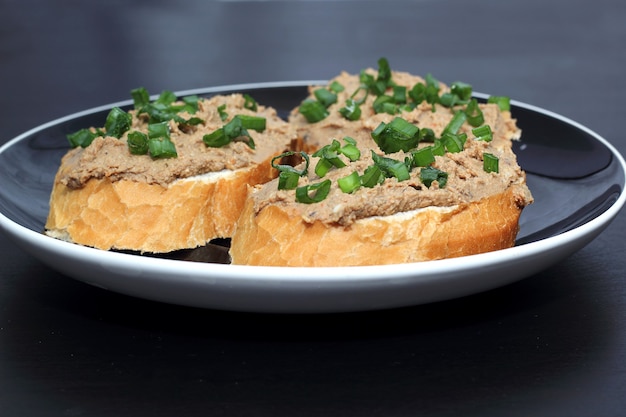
{"x": 167, "y": 174}
{"x": 406, "y": 170}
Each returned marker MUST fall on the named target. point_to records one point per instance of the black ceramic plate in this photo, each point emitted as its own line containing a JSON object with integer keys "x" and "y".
{"x": 576, "y": 177}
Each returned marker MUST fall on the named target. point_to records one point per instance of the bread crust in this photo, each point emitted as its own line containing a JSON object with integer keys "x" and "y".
{"x": 273, "y": 237}
{"x": 137, "y": 216}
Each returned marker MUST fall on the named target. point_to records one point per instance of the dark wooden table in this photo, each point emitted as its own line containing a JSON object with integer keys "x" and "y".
{"x": 553, "y": 344}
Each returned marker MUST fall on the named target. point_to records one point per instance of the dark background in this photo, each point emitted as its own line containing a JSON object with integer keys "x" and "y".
{"x": 551, "y": 345}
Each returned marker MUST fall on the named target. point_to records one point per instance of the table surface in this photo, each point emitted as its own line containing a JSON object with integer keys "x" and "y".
{"x": 553, "y": 344}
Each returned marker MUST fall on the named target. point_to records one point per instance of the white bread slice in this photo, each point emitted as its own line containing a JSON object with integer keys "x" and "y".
{"x": 144, "y": 217}
{"x": 277, "y": 237}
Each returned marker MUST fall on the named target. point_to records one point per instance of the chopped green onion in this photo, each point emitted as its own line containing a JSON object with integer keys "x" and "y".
{"x": 377, "y": 87}
{"x": 161, "y": 148}
{"x": 137, "y": 143}
{"x": 323, "y": 166}
{"x": 418, "y": 93}
{"x": 426, "y": 134}
{"x": 391, "y": 167}
{"x": 454, "y": 143}
{"x": 351, "y": 110}
{"x": 216, "y": 139}
{"x": 336, "y": 87}
{"x": 166, "y": 97}
{"x": 328, "y": 158}
{"x": 249, "y": 103}
{"x": 159, "y": 130}
{"x": 462, "y": 90}
{"x": 490, "y": 163}
{"x": 456, "y": 122}
{"x": 117, "y": 122}
{"x": 82, "y": 138}
{"x": 372, "y": 176}
{"x": 191, "y": 104}
{"x": 423, "y": 157}
{"x": 350, "y": 149}
{"x": 399, "y": 94}
{"x": 256, "y": 123}
{"x": 503, "y": 102}
{"x": 385, "y": 104}
{"x": 483, "y": 133}
{"x": 439, "y": 148}
{"x": 313, "y": 110}
{"x": 287, "y": 180}
{"x": 350, "y": 183}
{"x": 430, "y": 174}
{"x": 221, "y": 110}
{"x": 474, "y": 114}
{"x": 432, "y": 90}
{"x": 235, "y": 130}
{"x": 365, "y": 93}
{"x": 289, "y": 176}
{"x": 397, "y": 135}
{"x": 384, "y": 71}
{"x": 140, "y": 97}
{"x": 325, "y": 97}
{"x": 313, "y": 193}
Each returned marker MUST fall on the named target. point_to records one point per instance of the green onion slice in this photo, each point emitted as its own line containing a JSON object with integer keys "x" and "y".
{"x": 140, "y": 97}
{"x": 329, "y": 157}
{"x": 117, "y": 122}
{"x": 325, "y": 97}
{"x": 216, "y": 139}
{"x": 313, "y": 111}
{"x": 397, "y": 135}
{"x": 423, "y": 157}
{"x": 364, "y": 92}
{"x": 161, "y": 148}
{"x": 391, "y": 167}
{"x": 430, "y": 174}
{"x": 503, "y": 102}
{"x": 235, "y": 130}
{"x": 255, "y": 123}
{"x": 350, "y": 183}
{"x": 454, "y": 143}
{"x": 351, "y": 111}
{"x": 490, "y": 163}
{"x": 336, "y": 87}
{"x": 82, "y": 138}
{"x": 483, "y": 133}
{"x": 384, "y": 71}
{"x": 313, "y": 193}
{"x": 350, "y": 149}
{"x": 221, "y": 110}
{"x": 439, "y": 148}
{"x": 159, "y": 130}
{"x": 289, "y": 176}
{"x": 462, "y": 90}
{"x": 372, "y": 176}
{"x": 474, "y": 114}
{"x": 456, "y": 122}
{"x": 385, "y": 104}
{"x": 137, "y": 143}
{"x": 250, "y": 103}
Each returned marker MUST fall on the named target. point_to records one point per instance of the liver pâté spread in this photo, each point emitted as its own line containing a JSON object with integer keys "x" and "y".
{"x": 109, "y": 156}
{"x": 467, "y": 179}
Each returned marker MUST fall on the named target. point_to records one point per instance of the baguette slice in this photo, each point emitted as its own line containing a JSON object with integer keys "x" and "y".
{"x": 277, "y": 237}
{"x": 106, "y": 198}
{"x": 397, "y": 221}
{"x": 133, "y": 215}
